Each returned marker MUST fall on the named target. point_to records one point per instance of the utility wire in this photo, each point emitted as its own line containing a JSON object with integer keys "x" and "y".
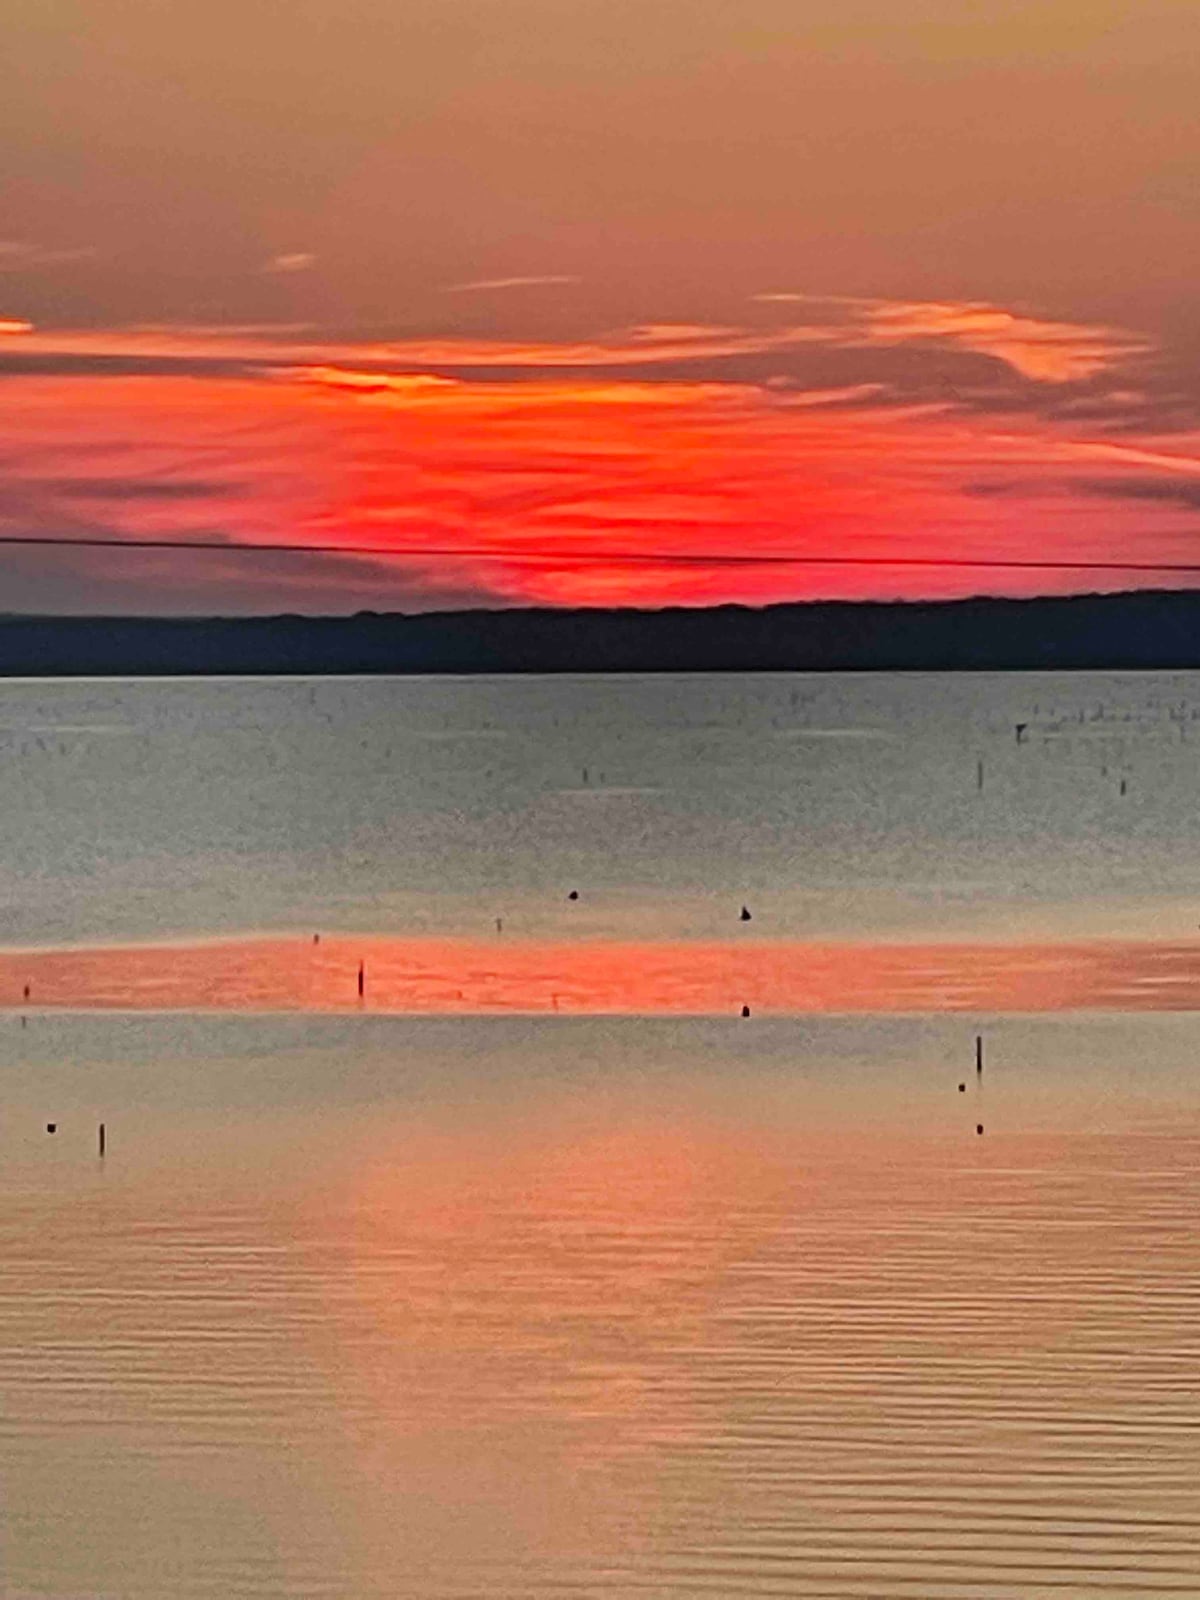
{"x": 687, "y": 558}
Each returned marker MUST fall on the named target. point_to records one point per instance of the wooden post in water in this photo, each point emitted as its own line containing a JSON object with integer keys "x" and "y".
{"x": 362, "y": 980}
{"x": 100, "y": 1140}
{"x": 979, "y": 774}
{"x": 979, "y": 1054}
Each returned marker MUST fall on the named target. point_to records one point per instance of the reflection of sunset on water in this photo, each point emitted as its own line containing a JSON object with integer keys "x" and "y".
{"x": 723, "y": 1324}
{"x": 556, "y": 1304}
{"x": 473, "y": 977}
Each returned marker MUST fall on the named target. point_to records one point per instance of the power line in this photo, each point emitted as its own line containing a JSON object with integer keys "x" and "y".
{"x": 686, "y": 558}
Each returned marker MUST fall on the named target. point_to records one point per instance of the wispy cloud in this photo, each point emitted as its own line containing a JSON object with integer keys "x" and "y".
{"x": 1046, "y": 351}
{"x": 365, "y": 383}
{"x": 1040, "y": 349}
{"x": 22, "y": 255}
{"x": 294, "y": 261}
{"x": 1158, "y": 491}
{"x": 125, "y": 490}
{"x": 899, "y": 337}
{"x": 533, "y": 281}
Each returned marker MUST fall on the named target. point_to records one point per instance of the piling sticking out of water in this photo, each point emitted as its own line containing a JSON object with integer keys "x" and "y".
{"x": 979, "y": 1127}
{"x": 979, "y": 1052}
{"x": 745, "y": 1011}
{"x": 100, "y": 1139}
{"x": 362, "y": 980}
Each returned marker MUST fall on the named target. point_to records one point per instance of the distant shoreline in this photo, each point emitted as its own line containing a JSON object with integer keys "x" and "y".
{"x": 1141, "y": 630}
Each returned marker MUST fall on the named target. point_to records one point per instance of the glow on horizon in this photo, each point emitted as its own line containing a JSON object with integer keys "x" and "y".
{"x": 533, "y": 469}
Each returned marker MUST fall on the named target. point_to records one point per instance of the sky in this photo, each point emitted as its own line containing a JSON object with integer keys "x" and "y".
{"x": 579, "y": 302}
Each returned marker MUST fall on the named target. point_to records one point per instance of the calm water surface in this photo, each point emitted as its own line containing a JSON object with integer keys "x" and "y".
{"x": 839, "y": 807}
{"x": 466, "y": 1306}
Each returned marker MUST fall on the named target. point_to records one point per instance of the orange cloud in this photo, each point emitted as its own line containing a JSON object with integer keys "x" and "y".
{"x": 532, "y": 282}
{"x": 1041, "y": 350}
{"x": 1050, "y": 352}
{"x": 403, "y": 383}
{"x": 294, "y": 261}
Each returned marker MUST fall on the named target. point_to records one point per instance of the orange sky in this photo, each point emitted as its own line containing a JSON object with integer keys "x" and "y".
{"x": 545, "y": 292}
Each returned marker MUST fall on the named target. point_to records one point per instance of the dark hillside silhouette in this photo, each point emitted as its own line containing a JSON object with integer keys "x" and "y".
{"x": 1142, "y": 629}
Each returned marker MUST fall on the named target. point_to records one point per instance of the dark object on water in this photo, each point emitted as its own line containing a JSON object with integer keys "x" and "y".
{"x": 978, "y": 1052}
{"x": 362, "y": 979}
{"x": 101, "y": 1140}
{"x": 962, "y": 1088}
{"x": 1123, "y": 785}
{"x": 52, "y": 1127}
{"x": 574, "y": 895}
{"x": 979, "y": 1127}
{"x": 316, "y": 938}
{"x": 27, "y": 991}
{"x": 745, "y": 915}
{"x": 979, "y": 774}
{"x": 745, "y": 1011}
{"x": 1021, "y": 726}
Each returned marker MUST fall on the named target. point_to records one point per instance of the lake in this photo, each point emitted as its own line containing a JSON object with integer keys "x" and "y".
{"x": 538, "y": 1268}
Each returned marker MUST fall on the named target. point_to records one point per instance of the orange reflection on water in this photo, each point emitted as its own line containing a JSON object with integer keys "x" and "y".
{"x": 474, "y": 977}
{"x": 544, "y": 1299}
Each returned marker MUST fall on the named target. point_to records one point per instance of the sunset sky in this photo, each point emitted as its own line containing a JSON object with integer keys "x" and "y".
{"x": 560, "y": 299}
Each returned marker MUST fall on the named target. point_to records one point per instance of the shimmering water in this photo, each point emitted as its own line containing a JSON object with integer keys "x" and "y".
{"x": 368, "y": 1304}
{"x": 606, "y": 1307}
{"x": 839, "y": 807}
